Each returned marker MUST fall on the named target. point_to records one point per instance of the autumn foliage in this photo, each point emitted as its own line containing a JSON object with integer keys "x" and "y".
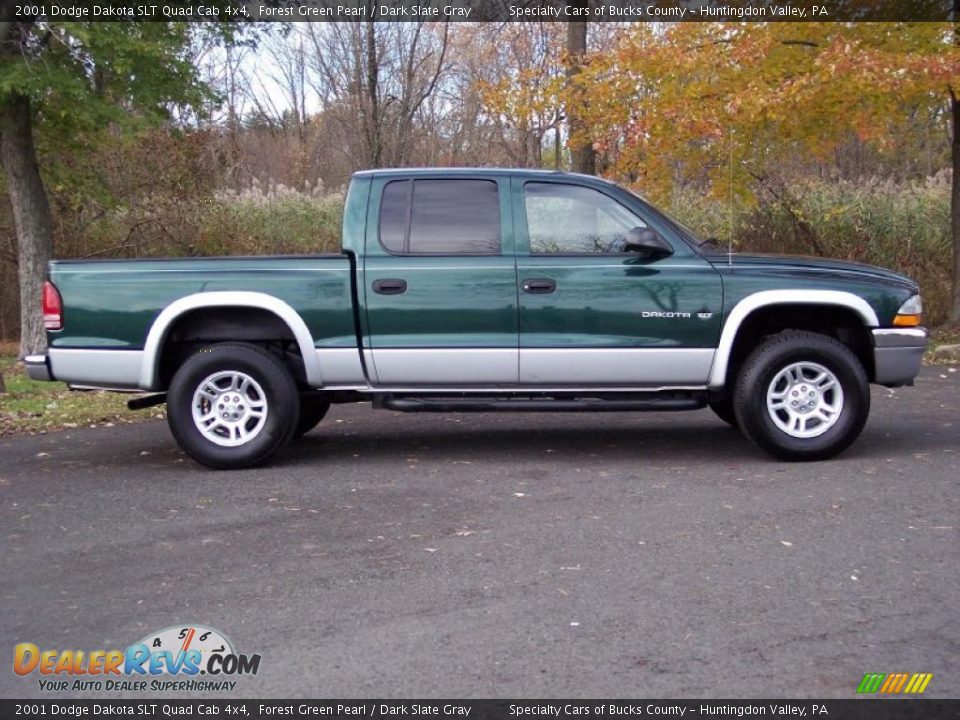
{"x": 670, "y": 107}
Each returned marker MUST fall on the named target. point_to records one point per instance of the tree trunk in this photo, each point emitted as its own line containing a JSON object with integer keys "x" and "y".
{"x": 955, "y": 207}
{"x": 31, "y": 215}
{"x": 373, "y": 97}
{"x": 954, "y": 314}
{"x": 557, "y": 147}
{"x": 3, "y": 385}
{"x": 582, "y": 157}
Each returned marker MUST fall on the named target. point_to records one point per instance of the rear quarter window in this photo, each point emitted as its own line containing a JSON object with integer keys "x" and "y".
{"x": 440, "y": 217}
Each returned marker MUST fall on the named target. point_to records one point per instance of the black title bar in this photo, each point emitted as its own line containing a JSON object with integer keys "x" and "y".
{"x": 485, "y": 10}
{"x": 148, "y": 708}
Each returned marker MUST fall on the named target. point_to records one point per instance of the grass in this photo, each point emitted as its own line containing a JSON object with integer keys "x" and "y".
{"x": 30, "y": 407}
{"x": 944, "y": 335}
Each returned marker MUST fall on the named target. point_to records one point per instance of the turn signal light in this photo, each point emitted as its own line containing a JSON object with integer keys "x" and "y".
{"x": 910, "y": 313}
{"x": 52, "y": 307}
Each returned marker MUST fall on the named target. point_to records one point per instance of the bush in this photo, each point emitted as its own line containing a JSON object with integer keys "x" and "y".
{"x": 274, "y": 221}
{"x": 901, "y": 226}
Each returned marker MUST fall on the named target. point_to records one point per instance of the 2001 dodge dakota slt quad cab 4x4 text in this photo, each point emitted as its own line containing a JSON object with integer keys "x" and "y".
{"x": 487, "y": 289}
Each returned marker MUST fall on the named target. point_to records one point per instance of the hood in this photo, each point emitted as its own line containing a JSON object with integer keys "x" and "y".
{"x": 804, "y": 264}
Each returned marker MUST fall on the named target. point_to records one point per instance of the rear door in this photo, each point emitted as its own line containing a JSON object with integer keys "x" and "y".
{"x": 439, "y": 282}
{"x": 594, "y": 315}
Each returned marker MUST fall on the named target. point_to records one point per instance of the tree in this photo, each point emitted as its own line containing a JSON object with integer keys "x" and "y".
{"x": 955, "y": 189}
{"x": 377, "y": 77}
{"x": 28, "y": 197}
{"x": 583, "y": 158}
{"x": 64, "y": 83}
{"x": 723, "y": 105}
{"x": 530, "y": 84}
{"x": 520, "y": 80}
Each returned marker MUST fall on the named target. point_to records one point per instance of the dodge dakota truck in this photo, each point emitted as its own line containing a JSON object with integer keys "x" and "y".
{"x": 487, "y": 290}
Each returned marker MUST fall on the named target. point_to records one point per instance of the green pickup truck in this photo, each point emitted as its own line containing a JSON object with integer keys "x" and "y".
{"x": 486, "y": 290}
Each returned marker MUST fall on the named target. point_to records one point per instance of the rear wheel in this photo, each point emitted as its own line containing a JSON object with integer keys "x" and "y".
{"x": 232, "y": 405}
{"x": 802, "y": 396}
{"x": 723, "y": 409}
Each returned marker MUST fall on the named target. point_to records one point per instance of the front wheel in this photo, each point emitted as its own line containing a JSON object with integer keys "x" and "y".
{"x": 802, "y": 396}
{"x": 312, "y": 411}
{"x": 232, "y": 405}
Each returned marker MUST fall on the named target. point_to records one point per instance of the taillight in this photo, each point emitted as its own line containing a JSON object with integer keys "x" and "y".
{"x": 52, "y": 307}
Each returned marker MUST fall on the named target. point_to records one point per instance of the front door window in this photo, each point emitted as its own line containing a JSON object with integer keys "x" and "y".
{"x": 575, "y": 220}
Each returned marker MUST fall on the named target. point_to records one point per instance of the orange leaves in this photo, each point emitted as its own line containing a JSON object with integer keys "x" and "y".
{"x": 665, "y": 105}
{"x": 669, "y": 105}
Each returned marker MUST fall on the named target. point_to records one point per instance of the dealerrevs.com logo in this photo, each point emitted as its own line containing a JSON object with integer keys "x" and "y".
{"x": 181, "y": 658}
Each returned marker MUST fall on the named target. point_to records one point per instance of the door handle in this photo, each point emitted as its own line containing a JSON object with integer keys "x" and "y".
{"x": 539, "y": 286}
{"x": 390, "y": 286}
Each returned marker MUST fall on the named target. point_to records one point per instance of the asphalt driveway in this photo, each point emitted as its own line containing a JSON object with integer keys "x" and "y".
{"x": 513, "y": 555}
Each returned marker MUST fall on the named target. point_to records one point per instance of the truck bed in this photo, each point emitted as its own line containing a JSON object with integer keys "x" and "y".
{"x": 113, "y": 305}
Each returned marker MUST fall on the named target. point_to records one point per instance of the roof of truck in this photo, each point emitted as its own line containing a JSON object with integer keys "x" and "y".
{"x": 468, "y": 171}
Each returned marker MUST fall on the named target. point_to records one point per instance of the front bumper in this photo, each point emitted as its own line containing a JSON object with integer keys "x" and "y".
{"x": 38, "y": 367}
{"x": 898, "y": 354}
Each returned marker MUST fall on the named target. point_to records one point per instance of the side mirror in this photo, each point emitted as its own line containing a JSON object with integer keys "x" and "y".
{"x": 648, "y": 242}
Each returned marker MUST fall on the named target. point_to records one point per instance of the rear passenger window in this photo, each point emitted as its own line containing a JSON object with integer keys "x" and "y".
{"x": 440, "y": 217}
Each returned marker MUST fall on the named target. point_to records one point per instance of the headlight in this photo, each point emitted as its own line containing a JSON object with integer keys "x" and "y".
{"x": 910, "y": 313}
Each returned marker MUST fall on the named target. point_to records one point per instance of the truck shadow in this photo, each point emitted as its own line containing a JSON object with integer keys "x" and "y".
{"x": 515, "y": 437}
{"x": 522, "y": 437}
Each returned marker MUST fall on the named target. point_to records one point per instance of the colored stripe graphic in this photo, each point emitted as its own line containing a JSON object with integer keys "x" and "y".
{"x": 895, "y": 683}
{"x": 915, "y": 681}
{"x": 919, "y": 682}
{"x": 871, "y": 682}
{"x": 889, "y": 683}
{"x": 899, "y": 682}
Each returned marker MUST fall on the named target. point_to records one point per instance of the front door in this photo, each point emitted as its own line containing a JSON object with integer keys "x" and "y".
{"x": 439, "y": 282}
{"x": 592, "y": 314}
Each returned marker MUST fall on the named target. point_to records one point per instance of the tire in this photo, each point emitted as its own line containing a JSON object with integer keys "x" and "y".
{"x": 802, "y": 396}
{"x": 723, "y": 409}
{"x": 245, "y": 382}
{"x": 312, "y": 411}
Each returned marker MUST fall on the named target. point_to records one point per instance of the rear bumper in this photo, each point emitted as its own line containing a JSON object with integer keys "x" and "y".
{"x": 898, "y": 354}
{"x": 38, "y": 367}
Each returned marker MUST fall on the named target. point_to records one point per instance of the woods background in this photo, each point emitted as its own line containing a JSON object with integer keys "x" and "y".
{"x": 178, "y": 140}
